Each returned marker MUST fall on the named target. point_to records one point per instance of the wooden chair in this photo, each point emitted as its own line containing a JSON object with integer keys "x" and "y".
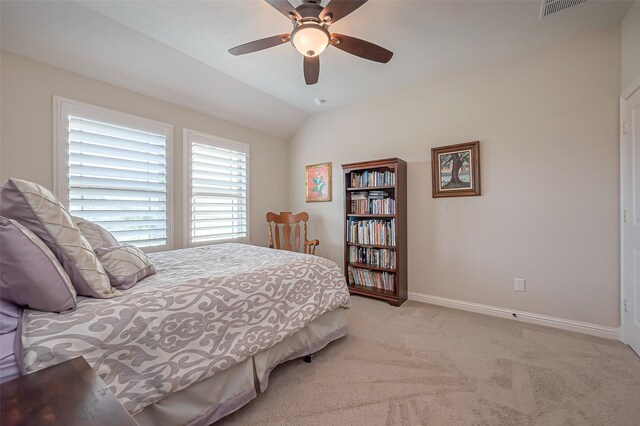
{"x": 286, "y": 219}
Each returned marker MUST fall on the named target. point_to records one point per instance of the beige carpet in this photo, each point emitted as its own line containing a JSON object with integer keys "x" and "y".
{"x": 423, "y": 364}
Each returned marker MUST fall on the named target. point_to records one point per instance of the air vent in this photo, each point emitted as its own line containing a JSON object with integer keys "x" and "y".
{"x": 553, "y": 6}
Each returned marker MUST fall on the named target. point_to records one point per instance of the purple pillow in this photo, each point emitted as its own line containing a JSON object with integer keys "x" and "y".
{"x": 9, "y": 316}
{"x": 30, "y": 275}
{"x": 9, "y": 337}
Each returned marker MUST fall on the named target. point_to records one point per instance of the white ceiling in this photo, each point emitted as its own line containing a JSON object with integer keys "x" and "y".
{"x": 177, "y": 50}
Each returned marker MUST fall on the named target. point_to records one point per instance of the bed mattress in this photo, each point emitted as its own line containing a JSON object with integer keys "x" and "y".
{"x": 206, "y": 310}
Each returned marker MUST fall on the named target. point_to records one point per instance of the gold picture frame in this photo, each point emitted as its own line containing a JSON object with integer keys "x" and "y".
{"x": 318, "y": 183}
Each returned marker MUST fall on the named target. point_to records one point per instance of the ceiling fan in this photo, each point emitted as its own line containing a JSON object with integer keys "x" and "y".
{"x": 310, "y": 35}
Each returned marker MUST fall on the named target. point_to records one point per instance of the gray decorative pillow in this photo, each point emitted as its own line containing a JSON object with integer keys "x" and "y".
{"x": 30, "y": 275}
{"x": 96, "y": 235}
{"x": 38, "y": 210}
{"x": 125, "y": 265}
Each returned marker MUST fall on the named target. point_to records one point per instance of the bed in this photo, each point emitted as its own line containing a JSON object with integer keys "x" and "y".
{"x": 198, "y": 339}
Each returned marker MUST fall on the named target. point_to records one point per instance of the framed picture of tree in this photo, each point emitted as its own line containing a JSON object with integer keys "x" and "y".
{"x": 318, "y": 182}
{"x": 456, "y": 170}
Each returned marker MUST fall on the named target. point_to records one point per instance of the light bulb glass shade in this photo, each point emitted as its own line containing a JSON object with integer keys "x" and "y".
{"x": 310, "y": 39}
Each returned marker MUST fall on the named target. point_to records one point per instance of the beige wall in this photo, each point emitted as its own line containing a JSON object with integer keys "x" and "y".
{"x": 27, "y": 88}
{"x": 631, "y": 45}
{"x": 548, "y": 125}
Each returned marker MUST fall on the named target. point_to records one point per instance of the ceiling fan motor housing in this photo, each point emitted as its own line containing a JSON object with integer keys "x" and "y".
{"x": 310, "y": 10}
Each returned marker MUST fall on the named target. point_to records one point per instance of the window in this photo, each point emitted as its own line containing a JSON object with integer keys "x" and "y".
{"x": 113, "y": 169}
{"x": 217, "y": 189}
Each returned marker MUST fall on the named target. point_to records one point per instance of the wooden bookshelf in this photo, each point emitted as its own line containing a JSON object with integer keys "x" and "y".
{"x": 397, "y": 192}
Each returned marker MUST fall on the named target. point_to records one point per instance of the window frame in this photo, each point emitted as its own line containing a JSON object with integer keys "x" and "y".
{"x": 63, "y": 107}
{"x": 218, "y": 142}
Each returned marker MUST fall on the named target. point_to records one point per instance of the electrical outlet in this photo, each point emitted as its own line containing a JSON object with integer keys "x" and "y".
{"x": 518, "y": 284}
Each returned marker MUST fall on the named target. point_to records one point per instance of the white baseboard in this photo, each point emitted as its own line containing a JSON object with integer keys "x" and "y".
{"x": 561, "y": 323}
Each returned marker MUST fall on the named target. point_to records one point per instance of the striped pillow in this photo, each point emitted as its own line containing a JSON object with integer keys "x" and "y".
{"x": 96, "y": 235}
{"x": 125, "y": 265}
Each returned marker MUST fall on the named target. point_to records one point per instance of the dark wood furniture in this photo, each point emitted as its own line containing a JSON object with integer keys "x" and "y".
{"x": 285, "y": 220}
{"x": 398, "y": 192}
{"x": 66, "y": 394}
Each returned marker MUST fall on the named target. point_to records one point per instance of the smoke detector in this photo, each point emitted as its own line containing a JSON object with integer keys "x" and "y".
{"x": 319, "y": 101}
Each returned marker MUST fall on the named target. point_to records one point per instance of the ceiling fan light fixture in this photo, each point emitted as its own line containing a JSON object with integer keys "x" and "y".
{"x": 310, "y": 39}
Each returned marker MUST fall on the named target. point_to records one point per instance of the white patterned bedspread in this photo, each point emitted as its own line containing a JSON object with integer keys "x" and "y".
{"x": 205, "y": 310}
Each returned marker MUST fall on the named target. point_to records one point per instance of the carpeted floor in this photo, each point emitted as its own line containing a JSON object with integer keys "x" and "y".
{"x": 423, "y": 364}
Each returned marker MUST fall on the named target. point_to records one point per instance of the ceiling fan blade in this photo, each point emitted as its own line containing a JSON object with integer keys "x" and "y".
{"x": 361, "y": 48}
{"x": 254, "y": 46}
{"x": 339, "y": 9}
{"x": 311, "y": 69}
{"x": 284, "y": 7}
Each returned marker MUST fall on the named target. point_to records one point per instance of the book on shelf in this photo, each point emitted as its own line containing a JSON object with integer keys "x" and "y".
{"x": 381, "y": 258}
{"x": 376, "y": 194}
{"x": 369, "y": 178}
{"x": 374, "y": 202}
{"x": 373, "y": 279}
{"x": 378, "y": 232}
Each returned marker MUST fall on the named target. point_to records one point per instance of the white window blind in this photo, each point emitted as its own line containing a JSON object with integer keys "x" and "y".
{"x": 116, "y": 175}
{"x": 218, "y": 189}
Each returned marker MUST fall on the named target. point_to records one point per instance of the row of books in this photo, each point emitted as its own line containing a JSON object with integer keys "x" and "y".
{"x": 386, "y": 206}
{"x": 379, "y": 232}
{"x": 382, "y": 258}
{"x": 374, "y": 202}
{"x": 367, "y": 278}
{"x": 370, "y": 178}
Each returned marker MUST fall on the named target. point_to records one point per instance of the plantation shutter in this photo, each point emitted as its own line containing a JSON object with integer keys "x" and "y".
{"x": 117, "y": 178}
{"x": 218, "y": 182}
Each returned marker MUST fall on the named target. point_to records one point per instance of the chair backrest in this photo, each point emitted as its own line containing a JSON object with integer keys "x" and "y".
{"x": 283, "y": 221}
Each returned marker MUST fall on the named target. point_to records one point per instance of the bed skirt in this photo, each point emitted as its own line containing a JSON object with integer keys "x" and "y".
{"x": 209, "y": 400}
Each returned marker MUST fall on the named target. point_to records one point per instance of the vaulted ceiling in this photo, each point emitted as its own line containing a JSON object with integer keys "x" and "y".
{"x": 177, "y": 50}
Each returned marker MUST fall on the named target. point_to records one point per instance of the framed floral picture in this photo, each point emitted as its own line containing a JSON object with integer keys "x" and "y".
{"x": 456, "y": 170}
{"x": 318, "y": 183}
